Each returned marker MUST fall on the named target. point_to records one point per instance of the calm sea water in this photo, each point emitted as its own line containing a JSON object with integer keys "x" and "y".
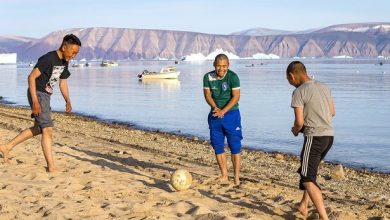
{"x": 361, "y": 90}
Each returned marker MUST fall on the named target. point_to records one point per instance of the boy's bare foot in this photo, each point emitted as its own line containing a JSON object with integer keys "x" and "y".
{"x": 223, "y": 180}
{"x": 51, "y": 169}
{"x": 237, "y": 181}
{"x": 5, "y": 152}
{"x": 302, "y": 208}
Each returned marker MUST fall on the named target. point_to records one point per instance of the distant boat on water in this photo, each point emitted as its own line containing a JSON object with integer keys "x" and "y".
{"x": 109, "y": 63}
{"x": 8, "y": 58}
{"x": 81, "y": 63}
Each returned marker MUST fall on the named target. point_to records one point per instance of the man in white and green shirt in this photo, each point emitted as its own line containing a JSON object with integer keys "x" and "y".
{"x": 221, "y": 88}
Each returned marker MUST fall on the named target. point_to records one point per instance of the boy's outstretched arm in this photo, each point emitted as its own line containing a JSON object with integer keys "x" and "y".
{"x": 65, "y": 93}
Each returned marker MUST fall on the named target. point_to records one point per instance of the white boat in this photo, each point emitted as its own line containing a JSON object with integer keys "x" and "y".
{"x": 108, "y": 63}
{"x": 8, "y": 58}
{"x": 165, "y": 73}
{"x": 79, "y": 65}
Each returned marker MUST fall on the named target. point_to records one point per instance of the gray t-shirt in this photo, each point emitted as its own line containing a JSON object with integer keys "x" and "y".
{"x": 315, "y": 99}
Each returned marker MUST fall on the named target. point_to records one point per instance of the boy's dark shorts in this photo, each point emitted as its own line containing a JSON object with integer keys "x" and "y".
{"x": 314, "y": 150}
{"x": 44, "y": 119}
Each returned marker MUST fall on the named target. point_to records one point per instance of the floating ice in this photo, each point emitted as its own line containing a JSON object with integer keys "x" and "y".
{"x": 231, "y": 56}
{"x": 342, "y": 57}
{"x": 195, "y": 57}
{"x": 265, "y": 56}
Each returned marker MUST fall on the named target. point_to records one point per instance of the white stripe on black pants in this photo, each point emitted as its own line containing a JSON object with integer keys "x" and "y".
{"x": 314, "y": 150}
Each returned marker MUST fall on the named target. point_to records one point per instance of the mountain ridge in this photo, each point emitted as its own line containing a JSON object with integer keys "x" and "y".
{"x": 372, "y": 40}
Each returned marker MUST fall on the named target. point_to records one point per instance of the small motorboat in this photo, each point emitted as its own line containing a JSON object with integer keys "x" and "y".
{"x": 165, "y": 73}
{"x": 79, "y": 65}
{"x": 108, "y": 63}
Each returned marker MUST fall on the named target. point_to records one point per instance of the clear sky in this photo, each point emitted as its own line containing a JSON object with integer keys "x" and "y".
{"x": 37, "y": 18}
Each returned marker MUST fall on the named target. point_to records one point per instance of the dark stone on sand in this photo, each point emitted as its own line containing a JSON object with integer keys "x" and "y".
{"x": 327, "y": 177}
{"x": 374, "y": 206}
{"x": 242, "y": 215}
{"x": 278, "y": 199}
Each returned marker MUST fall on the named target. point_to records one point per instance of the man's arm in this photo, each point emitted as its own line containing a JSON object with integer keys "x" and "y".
{"x": 36, "y": 107}
{"x": 209, "y": 99}
{"x": 65, "y": 93}
{"x": 332, "y": 108}
{"x": 298, "y": 122}
{"x": 234, "y": 100}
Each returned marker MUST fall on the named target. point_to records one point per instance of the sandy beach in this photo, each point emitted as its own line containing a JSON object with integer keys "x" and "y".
{"x": 111, "y": 171}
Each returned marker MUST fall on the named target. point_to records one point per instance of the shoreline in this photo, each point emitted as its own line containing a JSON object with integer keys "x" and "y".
{"x": 130, "y": 125}
{"x": 109, "y": 171}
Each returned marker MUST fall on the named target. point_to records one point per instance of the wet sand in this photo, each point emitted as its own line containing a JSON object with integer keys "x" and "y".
{"x": 114, "y": 172}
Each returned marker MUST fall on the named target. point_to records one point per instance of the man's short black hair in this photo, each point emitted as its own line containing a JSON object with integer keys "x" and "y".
{"x": 71, "y": 39}
{"x": 296, "y": 66}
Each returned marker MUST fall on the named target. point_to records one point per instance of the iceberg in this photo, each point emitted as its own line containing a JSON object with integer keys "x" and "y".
{"x": 211, "y": 56}
{"x": 231, "y": 56}
{"x": 161, "y": 58}
{"x": 8, "y": 58}
{"x": 194, "y": 57}
{"x": 342, "y": 57}
{"x": 265, "y": 56}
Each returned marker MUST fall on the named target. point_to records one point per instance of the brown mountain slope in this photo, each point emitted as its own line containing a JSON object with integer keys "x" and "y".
{"x": 134, "y": 44}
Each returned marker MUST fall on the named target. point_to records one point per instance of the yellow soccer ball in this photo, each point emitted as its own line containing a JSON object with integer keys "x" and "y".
{"x": 181, "y": 179}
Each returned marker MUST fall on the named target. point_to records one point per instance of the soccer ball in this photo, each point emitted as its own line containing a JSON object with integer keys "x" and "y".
{"x": 181, "y": 179}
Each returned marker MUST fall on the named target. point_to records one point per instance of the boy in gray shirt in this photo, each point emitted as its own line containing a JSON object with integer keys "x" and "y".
{"x": 313, "y": 109}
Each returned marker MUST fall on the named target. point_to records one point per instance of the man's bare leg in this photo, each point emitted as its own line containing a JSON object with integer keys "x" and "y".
{"x": 222, "y": 163}
{"x": 303, "y": 205}
{"x": 46, "y": 147}
{"x": 316, "y": 197}
{"x": 236, "y": 160}
{"x": 22, "y": 136}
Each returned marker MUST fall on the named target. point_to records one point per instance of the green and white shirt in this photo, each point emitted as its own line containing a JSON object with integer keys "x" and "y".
{"x": 221, "y": 89}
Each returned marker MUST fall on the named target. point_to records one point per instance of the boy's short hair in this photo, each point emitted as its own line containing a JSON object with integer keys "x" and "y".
{"x": 71, "y": 39}
{"x": 221, "y": 56}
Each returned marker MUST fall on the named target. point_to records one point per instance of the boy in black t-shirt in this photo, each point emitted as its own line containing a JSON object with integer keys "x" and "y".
{"x": 50, "y": 69}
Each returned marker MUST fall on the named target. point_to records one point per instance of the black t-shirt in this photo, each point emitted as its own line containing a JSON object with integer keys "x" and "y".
{"x": 52, "y": 69}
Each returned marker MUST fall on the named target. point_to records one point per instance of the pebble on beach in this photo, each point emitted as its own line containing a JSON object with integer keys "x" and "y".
{"x": 337, "y": 172}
